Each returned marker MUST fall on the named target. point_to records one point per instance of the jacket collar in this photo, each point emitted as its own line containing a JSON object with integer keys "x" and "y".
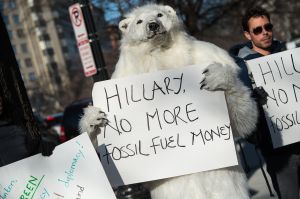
{"x": 245, "y": 51}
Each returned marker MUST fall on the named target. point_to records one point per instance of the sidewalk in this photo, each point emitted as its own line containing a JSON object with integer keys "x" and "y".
{"x": 257, "y": 183}
{"x": 258, "y": 186}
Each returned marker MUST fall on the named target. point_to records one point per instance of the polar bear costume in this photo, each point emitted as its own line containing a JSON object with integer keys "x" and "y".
{"x": 154, "y": 39}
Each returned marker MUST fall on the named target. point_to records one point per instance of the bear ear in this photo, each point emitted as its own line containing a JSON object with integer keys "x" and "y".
{"x": 123, "y": 25}
{"x": 170, "y": 10}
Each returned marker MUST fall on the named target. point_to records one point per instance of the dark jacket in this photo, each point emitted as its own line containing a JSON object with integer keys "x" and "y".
{"x": 13, "y": 143}
{"x": 261, "y": 136}
{"x": 16, "y": 143}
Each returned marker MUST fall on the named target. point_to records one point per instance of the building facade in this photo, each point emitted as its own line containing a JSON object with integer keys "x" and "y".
{"x": 45, "y": 47}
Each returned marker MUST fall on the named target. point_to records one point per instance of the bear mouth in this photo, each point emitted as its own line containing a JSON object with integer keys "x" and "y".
{"x": 155, "y": 34}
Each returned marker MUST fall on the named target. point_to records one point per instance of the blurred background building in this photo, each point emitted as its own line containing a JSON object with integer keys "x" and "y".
{"x": 45, "y": 47}
{"x": 39, "y": 36}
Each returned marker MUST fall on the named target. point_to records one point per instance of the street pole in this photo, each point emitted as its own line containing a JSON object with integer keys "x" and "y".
{"x": 133, "y": 191}
{"x": 94, "y": 42}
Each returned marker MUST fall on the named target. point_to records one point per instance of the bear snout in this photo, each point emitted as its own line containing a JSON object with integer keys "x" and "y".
{"x": 153, "y": 26}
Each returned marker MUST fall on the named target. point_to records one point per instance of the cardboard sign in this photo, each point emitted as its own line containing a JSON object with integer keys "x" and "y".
{"x": 83, "y": 43}
{"x": 162, "y": 125}
{"x": 279, "y": 75}
{"x": 72, "y": 171}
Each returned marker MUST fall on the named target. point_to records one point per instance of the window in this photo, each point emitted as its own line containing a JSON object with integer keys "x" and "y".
{"x": 68, "y": 62}
{"x": 55, "y": 14}
{"x": 53, "y": 65}
{"x": 57, "y": 79}
{"x": 59, "y": 28}
{"x": 40, "y": 22}
{"x": 10, "y": 34}
{"x": 36, "y": 9}
{"x": 12, "y": 4}
{"x": 14, "y": 48}
{"x": 19, "y": 63}
{"x": 28, "y": 62}
{"x": 16, "y": 19}
{"x": 44, "y": 37}
{"x": 1, "y": 5}
{"x": 65, "y": 49}
{"x": 32, "y": 76}
{"x": 61, "y": 35}
{"x": 6, "y": 19}
{"x": 24, "y": 48}
{"x": 20, "y": 33}
{"x": 48, "y": 51}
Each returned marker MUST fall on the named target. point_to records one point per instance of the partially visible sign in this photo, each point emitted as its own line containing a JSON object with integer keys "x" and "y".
{"x": 72, "y": 171}
{"x": 83, "y": 43}
{"x": 279, "y": 75}
{"x": 162, "y": 125}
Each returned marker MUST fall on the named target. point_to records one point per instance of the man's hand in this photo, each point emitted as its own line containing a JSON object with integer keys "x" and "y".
{"x": 47, "y": 145}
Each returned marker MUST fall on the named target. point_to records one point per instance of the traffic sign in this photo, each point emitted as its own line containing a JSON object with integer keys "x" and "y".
{"x": 83, "y": 42}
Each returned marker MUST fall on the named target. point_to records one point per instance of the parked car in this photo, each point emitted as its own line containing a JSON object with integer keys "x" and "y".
{"x": 45, "y": 130}
{"x": 71, "y": 117}
{"x": 293, "y": 44}
{"x": 54, "y": 122}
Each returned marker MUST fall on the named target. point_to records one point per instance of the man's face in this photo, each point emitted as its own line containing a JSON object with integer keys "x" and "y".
{"x": 260, "y": 32}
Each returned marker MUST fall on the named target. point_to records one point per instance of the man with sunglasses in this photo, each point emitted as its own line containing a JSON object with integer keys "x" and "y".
{"x": 282, "y": 163}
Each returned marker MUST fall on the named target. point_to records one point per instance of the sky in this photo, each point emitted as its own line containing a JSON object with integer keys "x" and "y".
{"x": 111, "y": 11}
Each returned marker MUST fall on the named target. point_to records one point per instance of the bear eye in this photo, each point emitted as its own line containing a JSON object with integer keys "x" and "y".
{"x": 139, "y": 21}
{"x": 159, "y": 15}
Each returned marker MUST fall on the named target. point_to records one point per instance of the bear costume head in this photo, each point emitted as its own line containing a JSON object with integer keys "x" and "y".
{"x": 151, "y": 22}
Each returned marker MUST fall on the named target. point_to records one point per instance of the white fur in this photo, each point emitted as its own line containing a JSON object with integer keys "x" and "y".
{"x": 143, "y": 50}
{"x": 92, "y": 119}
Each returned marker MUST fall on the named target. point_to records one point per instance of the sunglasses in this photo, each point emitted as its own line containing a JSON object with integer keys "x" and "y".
{"x": 267, "y": 27}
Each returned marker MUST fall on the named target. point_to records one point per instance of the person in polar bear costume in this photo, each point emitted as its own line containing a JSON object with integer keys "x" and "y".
{"x": 154, "y": 39}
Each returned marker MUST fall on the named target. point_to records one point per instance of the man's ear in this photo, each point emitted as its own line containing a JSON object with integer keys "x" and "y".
{"x": 247, "y": 35}
{"x": 170, "y": 10}
{"x": 123, "y": 25}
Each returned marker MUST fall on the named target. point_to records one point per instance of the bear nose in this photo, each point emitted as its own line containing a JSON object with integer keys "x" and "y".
{"x": 153, "y": 26}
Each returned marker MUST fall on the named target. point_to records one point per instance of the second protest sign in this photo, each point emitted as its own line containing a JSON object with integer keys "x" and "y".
{"x": 162, "y": 125}
{"x": 279, "y": 75}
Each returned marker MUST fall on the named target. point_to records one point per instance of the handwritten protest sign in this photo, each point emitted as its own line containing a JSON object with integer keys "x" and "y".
{"x": 279, "y": 75}
{"x": 73, "y": 171}
{"x": 162, "y": 125}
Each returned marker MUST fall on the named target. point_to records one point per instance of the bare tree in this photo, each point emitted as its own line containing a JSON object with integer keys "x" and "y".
{"x": 197, "y": 15}
{"x": 118, "y": 8}
{"x": 219, "y": 21}
{"x": 286, "y": 15}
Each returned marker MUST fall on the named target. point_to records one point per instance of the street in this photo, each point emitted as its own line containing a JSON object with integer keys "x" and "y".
{"x": 250, "y": 161}
{"x": 258, "y": 186}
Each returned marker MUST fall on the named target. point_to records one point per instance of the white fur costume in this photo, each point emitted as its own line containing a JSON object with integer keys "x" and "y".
{"x": 154, "y": 39}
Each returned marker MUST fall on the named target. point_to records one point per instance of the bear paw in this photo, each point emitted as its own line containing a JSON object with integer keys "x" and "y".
{"x": 92, "y": 120}
{"x": 217, "y": 77}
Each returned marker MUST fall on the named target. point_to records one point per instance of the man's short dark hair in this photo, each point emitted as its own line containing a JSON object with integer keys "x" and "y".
{"x": 253, "y": 12}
